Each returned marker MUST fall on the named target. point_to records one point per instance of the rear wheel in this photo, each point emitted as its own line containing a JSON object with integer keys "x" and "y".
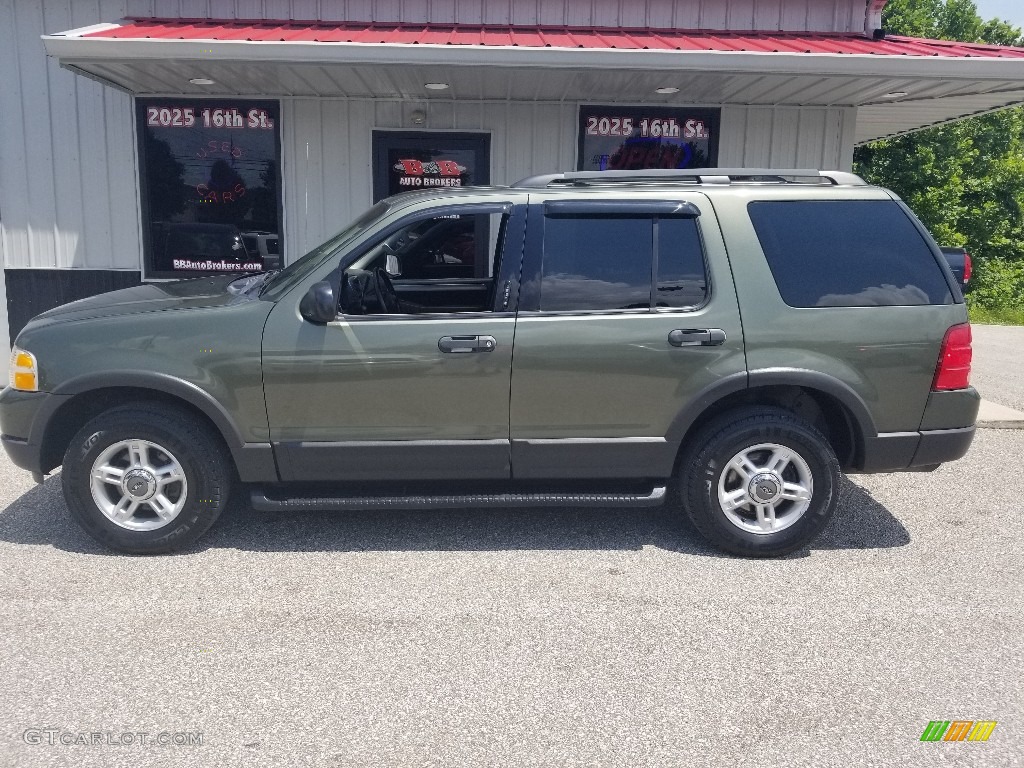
{"x": 760, "y": 482}
{"x": 145, "y": 479}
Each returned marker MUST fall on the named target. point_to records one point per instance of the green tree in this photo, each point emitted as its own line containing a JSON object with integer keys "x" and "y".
{"x": 965, "y": 180}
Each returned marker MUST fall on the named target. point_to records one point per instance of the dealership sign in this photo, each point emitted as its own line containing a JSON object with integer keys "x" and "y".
{"x": 437, "y": 173}
{"x": 638, "y": 138}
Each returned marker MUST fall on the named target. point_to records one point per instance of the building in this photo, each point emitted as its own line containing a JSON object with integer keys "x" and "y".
{"x": 153, "y": 139}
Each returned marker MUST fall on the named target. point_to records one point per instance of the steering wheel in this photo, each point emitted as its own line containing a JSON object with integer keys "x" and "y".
{"x": 386, "y": 293}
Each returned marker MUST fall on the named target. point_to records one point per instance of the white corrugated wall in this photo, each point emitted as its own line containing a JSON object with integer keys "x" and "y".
{"x": 327, "y": 147}
{"x": 68, "y": 178}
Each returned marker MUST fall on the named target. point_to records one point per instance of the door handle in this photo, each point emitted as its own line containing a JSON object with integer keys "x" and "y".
{"x": 697, "y": 337}
{"x": 466, "y": 344}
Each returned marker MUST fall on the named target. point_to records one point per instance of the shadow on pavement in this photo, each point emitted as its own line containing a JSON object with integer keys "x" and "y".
{"x": 41, "y": 517}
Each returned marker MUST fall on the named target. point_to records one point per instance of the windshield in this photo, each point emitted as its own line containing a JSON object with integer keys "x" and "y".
{"x": 280, "y": 283}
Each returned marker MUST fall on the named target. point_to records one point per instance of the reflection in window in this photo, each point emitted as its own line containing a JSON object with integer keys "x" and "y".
{"x": 597, "y": 262}
{"x": 847, "y": 253}
{"x": 681, "y": 279}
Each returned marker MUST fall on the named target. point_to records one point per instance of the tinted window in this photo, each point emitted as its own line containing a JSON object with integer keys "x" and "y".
{"x": 210, "y": 183}
{"x": 597, "y": 262}
{"x": 681, "y": 278}
{"x": 847, "y": 254}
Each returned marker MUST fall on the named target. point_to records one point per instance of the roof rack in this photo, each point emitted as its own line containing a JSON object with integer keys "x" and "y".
{"x": 693, "y": 176}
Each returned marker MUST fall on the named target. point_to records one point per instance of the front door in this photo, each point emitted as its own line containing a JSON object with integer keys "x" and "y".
{"x": 417, "y": 390}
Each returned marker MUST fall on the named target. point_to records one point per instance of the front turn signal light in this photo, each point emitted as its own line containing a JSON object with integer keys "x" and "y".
{"x": 24, "y": 371}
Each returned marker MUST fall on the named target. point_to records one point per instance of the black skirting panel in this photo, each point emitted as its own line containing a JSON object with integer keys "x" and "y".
{"x": 31, "y": 291}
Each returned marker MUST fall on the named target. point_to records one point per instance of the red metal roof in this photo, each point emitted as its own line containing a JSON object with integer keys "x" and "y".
{"x": 548, "y": 37}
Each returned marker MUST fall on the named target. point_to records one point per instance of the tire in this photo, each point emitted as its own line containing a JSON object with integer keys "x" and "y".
{"x": 146, "y": 444}
{"x": 759, "y": 482}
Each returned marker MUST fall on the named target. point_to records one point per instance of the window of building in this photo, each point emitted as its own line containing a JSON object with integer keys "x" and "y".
{"x": 405, "y": 161}
{"x": 616, "y": 138}
{"x": 848, "y": 253}
{"x": 210, "y": 185}
{"x": 605, "y": 262}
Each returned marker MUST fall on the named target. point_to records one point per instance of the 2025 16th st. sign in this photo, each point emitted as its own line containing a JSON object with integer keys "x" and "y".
{"x": 615, "y": 138}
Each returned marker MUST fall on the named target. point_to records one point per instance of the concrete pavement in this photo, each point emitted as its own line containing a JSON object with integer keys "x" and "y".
{"x": 995, "y": 416}
{"x": 998, "y": 371}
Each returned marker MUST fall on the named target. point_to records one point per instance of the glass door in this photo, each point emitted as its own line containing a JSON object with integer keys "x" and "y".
{"x": 409, "y": 161}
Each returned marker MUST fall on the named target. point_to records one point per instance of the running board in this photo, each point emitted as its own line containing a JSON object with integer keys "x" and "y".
{"x": 261, "y": 502}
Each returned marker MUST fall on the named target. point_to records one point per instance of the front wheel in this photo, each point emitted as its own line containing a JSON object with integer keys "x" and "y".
{"x": 145, "y": 479}
{"x": 760, "y": 482}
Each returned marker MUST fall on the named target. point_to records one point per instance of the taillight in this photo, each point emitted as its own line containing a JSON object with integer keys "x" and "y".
{"x": 968, "y": 268}
{"x": 954, "y": 368}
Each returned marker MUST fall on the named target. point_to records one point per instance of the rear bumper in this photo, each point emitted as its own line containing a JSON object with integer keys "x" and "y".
{"x": 940, "y": 446}
{"x": 898, "y": 451}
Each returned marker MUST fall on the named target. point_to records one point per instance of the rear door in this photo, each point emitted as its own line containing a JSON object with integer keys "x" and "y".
{"x": 627, "y": 315}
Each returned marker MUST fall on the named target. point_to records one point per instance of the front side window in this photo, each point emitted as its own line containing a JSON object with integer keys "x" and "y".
{"x": 606, "y": 262}
{"x": 847, "y": 253}
{"x": 210, "y": 180}
{"x": 448, "y": 247}
{"x": 439, "y": 264}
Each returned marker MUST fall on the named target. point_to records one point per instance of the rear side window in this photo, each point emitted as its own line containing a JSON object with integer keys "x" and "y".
{"x": 597, "y": 262}
{"x": 606, "y": 262}
{"x": 847, "y": 253}
{"x": 681, "y": 280}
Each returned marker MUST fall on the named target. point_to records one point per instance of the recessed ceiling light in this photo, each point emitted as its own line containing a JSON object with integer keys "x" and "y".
{"x": 436, "y": 86}
{"x": 666, "y": 91}
{"x": 894, "y": 95}
{"x": 201, "y": 81}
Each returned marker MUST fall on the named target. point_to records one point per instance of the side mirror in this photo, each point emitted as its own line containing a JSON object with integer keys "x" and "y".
{"x": 319, "y": 305}
{"x": 393, "y": 265}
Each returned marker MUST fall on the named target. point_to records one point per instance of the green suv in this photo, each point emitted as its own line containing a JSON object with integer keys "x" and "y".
{"x": 727, "y": 341}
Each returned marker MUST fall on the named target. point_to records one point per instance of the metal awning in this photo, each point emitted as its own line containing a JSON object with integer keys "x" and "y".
{"x": 899, "y": 84}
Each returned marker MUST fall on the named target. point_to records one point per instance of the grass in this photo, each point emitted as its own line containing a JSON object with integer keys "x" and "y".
{"x": 1001, "y": 316}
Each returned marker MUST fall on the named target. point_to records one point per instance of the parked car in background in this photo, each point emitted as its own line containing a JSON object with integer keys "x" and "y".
{"x": 200, "y": 247}
{"x": 959, "y": 261}
{"x": 264, "y": 247}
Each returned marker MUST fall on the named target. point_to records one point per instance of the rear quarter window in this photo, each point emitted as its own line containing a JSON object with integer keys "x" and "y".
{"x": 847, "y": 253}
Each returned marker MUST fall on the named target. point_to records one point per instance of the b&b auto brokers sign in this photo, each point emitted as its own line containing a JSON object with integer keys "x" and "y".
{"x": 439, "y": 173}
